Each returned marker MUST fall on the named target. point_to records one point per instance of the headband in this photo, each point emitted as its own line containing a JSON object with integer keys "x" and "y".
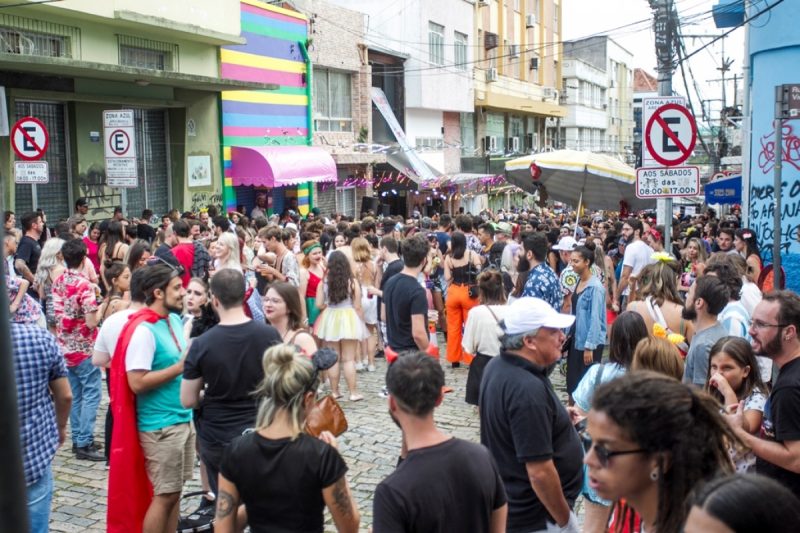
{"x": 309, "y": 249}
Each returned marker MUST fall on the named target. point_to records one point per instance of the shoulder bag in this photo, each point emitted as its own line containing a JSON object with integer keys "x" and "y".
{"x": 326, "y": 415}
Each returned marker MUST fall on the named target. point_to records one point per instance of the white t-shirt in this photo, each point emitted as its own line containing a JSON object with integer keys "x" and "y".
{"x": 141, "y": 350}
{"x": 482, "y": 332}
{"x": 750, "y": 295}
{"x": 108, "y": 336}
{"x": 637, "y": 256}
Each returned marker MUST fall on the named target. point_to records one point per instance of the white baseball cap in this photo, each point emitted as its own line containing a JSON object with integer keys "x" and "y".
{"x": 566, "y": 244}
{"x": 528, "y": 313}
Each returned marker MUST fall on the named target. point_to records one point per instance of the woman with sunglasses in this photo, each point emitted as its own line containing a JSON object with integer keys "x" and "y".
{"x": 654, "y": 440}
{"x": 284, "y": 477}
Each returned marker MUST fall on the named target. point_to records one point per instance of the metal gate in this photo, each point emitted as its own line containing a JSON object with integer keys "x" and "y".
{"x": 152, "y": 154}
{"x": 55, "y": 197}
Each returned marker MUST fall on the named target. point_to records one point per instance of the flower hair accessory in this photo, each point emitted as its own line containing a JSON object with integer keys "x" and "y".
{"x": 662, "y": 257}
{"x": 676, "y": 339}
{"x": 747, "y": 235}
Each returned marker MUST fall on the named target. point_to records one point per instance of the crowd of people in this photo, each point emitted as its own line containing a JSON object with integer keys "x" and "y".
{"x": 215, "y": 332}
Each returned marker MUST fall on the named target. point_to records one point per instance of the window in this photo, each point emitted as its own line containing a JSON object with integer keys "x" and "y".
{"x": 460, "y": 50}
{"x": 436, "y": 43}
{"x": 145, "y": 53}
{"x": 346, "y": 201}
{"x": 429, "y": 143}
{"x": 33, "y": 37}
{"x": 332, "y": 101}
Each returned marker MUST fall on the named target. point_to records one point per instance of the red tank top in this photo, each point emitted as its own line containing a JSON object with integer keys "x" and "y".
{"x": 313, "y": 282}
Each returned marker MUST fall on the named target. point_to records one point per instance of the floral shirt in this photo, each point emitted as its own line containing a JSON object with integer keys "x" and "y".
{"x": 74, "y": 297}
{"x": 543, "y": 283}
{"x": 29, "y": 310}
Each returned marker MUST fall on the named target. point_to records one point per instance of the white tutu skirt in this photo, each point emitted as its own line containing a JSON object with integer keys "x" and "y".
{"x": 339, "y": 324}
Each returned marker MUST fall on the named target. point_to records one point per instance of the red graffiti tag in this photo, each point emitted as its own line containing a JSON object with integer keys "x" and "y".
{"x": 791, "y": 150}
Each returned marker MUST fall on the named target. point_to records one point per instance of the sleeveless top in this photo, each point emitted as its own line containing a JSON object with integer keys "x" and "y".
{"x": 313, "y": 283}
{"x": 461, "y": 274}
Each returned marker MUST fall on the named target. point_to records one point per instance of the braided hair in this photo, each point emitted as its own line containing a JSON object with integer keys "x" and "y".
{"x": 681, "y": 424}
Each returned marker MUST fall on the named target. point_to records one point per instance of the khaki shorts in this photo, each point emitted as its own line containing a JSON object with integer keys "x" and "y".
{"x": 169, "y": 456}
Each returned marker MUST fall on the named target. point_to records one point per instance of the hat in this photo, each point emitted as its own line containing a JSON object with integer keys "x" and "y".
{"x": 528, "y": 313}
{"x": 291, "y": 225}
{"x": 81, "y": 202}
{"x": 566, "y": 244}
{"x": 503, "y": 227}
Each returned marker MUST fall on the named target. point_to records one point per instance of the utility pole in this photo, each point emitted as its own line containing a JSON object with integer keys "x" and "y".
{"x": 664, "y": 27}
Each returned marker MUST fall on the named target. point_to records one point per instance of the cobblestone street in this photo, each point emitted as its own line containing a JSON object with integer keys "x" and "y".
{"x": 370, "y": 447}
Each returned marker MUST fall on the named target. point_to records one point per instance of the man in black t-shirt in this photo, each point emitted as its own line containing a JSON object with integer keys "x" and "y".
{"x": 404, "y": 302}
{"x": 442, "y": 483}
{"x": 28, "y": 250}
{"x": 223, "y": 368}
{"x": 775, "y": 332}
{"x": 524, "y": 425}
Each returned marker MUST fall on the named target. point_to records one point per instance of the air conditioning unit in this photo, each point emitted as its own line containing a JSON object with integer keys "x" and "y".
{"x": 530, "y": 20}
{"x": 491, "y": 74}
{"x": 549, "y": 92}
{"x": 490, "y": 40}
{"x": 534, "y": 63}
{"x": 513, "y": 50}
{"x": 489, "y": 143}
{"x": 605, "y": 106}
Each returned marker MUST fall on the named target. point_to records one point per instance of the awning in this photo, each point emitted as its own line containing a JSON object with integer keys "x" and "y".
{"x": 414, "y": 170}
{"x": 278, "y": 166}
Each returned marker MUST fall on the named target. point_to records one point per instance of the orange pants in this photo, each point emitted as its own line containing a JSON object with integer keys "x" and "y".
{"x": 458, "y": 305}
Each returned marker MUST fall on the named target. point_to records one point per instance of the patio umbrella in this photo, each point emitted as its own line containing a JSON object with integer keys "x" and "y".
{"x": 578, "y": 178}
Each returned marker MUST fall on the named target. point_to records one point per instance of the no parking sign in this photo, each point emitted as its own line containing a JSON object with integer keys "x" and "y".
{"x": 29, "y": 138}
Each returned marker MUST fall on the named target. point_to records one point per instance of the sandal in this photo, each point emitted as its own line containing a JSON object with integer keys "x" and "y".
{"x": 337, "y": 396}
{"x": 356, "y": 398}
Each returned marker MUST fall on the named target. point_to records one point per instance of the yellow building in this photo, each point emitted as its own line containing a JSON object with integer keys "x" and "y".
{"x": 517, "y": 76}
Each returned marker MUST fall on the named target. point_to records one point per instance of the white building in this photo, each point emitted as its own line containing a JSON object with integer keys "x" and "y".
{"x": 584, "y": 93}
{"x": 436, "y": 40}
{"x": 604, "y": 54}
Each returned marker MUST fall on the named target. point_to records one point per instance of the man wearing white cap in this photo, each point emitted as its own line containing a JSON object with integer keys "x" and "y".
{"x": 524, "y": 425}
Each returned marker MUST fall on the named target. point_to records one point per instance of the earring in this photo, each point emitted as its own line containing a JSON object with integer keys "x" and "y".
{"x": 654, "y": 475}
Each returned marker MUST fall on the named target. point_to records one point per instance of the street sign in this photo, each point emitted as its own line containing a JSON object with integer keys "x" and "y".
{"x": 120, "y": 148}
{"x": 670, "y": 135}
{"x": 667, "y": 182}
{"x": 787, "y": 101}
{"x": 31, "y": 172}
{"x": 29, "y": 138}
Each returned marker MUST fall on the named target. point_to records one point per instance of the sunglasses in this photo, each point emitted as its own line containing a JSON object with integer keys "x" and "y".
{"x": 603, "y": 454}
{"x": 155, "y": 260}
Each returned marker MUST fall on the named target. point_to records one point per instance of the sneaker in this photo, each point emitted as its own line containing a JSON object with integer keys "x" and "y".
{"x": 87, "y": 453}
{"x": 370, "y": 368}
{"x": 384, "y": 393}
{"x": 359, "y": 367}
{"x": 94, "y": 446}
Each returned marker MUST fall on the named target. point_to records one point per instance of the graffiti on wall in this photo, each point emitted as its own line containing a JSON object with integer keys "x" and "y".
{"x": 762, "y": 204}
{"x": 102, "y": 199}
{"x": 201, "y": 200}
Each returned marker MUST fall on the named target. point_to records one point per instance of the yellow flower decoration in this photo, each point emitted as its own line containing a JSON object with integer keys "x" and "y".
{"x": 663, "y": 257}
{"x": 676, "y": 338}
{"x": 659, "y": 331}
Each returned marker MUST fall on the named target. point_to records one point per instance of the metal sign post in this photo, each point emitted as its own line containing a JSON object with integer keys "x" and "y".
{"x": 787, "y": 106}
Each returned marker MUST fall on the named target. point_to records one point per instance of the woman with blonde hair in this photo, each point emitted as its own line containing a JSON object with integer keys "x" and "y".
{"x": 694, "y": 257}
{"x": 228, "y": 253}
{"x": 51, "y": 266}
{"x": 658, "y": 355}
{"x": 365, "y": 274}
{"x": 660, "y": 302}
{"x": 284, "y": 477}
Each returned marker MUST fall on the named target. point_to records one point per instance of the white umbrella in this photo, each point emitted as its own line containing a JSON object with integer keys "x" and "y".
{"x": 595, "y": 180}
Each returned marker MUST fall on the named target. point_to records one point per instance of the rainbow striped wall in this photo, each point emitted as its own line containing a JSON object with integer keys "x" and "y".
{"x": 272, "y": 54}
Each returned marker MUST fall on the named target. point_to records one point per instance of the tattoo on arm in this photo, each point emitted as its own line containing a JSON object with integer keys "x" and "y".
{"x": 341, "y": 497}
{"x": 225, "y": 504}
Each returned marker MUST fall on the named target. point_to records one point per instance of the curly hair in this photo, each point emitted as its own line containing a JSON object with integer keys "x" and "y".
{"x": 339, "y": 278}
{"x": 679, "y": 424}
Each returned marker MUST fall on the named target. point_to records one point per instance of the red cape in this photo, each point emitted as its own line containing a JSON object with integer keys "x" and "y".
{"x": 129, "y": 489}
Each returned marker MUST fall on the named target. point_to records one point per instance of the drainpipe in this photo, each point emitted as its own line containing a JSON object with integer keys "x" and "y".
{"x": 309, "y": 112}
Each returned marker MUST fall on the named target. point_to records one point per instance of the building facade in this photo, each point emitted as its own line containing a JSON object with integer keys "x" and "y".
{"x": 65, "y": 63}
{"x": 584, "y": 94}
{"x": 605, "y": 54}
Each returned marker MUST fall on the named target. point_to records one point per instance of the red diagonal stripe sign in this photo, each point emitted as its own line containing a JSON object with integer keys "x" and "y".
{"x": 671, "y": 120}
{"x": 29, "y": 147}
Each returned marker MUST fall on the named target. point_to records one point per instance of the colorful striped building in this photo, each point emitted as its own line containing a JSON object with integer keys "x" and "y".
{"x": 274, "y": 53}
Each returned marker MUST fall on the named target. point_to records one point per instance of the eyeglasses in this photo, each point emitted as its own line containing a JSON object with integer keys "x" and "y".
{"x": 604, "y": 455}
{"x": 757, "y": 324}
{"x": 154, "y": 260}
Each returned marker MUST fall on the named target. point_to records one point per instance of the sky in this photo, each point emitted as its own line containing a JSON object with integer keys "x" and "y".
{"x": 582, "y": 18}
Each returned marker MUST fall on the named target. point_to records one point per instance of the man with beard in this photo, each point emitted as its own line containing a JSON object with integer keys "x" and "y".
{"x": 774, "y": 329}
{"x": 153, "y": 365}
{"x": 707, "y": 297}
{"x": 442, "y": 483}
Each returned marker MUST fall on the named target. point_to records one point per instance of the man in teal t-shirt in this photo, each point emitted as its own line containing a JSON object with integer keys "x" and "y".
{"x": 154, "y": 365}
